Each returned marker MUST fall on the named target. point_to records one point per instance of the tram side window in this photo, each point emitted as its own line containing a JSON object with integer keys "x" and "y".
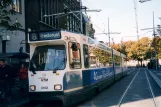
{"x": 74, "y": 55}
{"x": 107, "y": 59}
{"x": 122, "y": 61}
{"x": 125, "y": 62}
{"x": 86, "y": 56}
{"x": 92, "y": 57}
{"x": 103, "y": 58}
{"x": 117, "y": 60}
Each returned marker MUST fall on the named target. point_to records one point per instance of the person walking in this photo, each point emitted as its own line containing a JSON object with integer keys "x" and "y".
{"x": 5, "y": 80}
{"x": 23, "y": 79}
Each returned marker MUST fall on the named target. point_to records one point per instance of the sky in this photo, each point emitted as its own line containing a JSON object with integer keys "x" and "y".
{"x": 121, "y": 15}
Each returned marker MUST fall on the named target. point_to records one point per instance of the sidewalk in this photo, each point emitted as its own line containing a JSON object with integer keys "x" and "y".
{"x": 156, "y": 75}
{"x": 16, "y": 99}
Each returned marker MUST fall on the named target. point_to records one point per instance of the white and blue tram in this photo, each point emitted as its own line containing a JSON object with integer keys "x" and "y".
{"x": 70, "y": 67}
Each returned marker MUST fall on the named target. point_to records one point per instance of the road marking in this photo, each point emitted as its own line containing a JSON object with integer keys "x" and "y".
{"x": 151, "y": 90}
{"x": 122, "y": 97}
{"x": 131, "y": 71}
{"x": 157, "y": 80}
{"x": 93, "y": 104}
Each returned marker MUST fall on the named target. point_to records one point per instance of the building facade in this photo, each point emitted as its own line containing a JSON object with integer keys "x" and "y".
{"x": 11, "y": 41}
{"x": 54, "y": 14}
{"x": 41, "y": 15}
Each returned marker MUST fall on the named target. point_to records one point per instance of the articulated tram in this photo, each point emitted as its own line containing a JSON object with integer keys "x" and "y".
{"x": 70, "y": 67}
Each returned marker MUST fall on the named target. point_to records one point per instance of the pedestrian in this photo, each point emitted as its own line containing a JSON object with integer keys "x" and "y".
{"x": 23, "y": 79}
{"x": 5, "y": 80}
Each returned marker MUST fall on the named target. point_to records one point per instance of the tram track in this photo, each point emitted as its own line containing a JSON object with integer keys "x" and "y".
{"x": 151, "y": 90}
{"x": 130, "y": 86}
{"x": 110, "y": 93}
{"x": 122, "y": 97}
{"x": 131, "y": 70}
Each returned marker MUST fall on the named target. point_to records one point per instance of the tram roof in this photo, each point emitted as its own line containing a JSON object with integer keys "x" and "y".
{"x": 56, "y": 33}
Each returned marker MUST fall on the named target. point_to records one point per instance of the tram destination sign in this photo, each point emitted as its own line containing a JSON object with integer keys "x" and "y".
{"x": 39, "y": 36}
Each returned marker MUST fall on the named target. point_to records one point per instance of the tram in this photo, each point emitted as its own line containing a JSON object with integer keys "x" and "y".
{"x": 70, "y": 67}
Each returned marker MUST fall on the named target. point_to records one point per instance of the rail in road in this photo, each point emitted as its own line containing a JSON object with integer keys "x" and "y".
{"x": 152, "y": 103}
{"x": 138, "y": 89}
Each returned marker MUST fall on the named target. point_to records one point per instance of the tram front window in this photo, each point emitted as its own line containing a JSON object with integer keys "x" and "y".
{"x": 47, "y": 58}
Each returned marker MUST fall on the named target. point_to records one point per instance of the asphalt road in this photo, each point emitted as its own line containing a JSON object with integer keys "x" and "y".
{"x": 135, "y": 90}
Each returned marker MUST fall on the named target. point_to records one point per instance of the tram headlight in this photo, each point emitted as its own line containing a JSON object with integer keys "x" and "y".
{"x": 57, "y": 87}
{"x": 32, "y": 87}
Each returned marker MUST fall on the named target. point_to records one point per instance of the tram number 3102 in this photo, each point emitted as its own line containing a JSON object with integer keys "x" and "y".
{"x": 44, "y": 87}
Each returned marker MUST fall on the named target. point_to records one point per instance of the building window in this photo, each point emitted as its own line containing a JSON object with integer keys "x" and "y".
{"x": 16, "y": 6}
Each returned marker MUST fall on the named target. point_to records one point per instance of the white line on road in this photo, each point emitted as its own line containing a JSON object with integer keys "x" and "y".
{"x": 119, "y": 103}
{"x": 131, "y": 71}
{"x": 157, "y": 80}
{"x": 156, "y": 105}
{"x": 93, "y": 104}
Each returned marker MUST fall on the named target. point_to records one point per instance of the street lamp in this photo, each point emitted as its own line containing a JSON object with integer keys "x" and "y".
{"x": 142, "y": 1}
{"x": 71, "y": 12}
{"x": 67, "y": 11}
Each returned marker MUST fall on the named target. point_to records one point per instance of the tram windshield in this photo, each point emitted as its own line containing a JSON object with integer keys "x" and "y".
{"x": 47, "y": 58}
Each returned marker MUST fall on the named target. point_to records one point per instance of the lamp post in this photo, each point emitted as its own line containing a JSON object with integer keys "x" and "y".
{"x": 155, "y": 43}
{"x": 159, "y": 27}
{"x": 154, "y": 34}
{"x": 108, "y": 32}
{"x": 155, "y": 52}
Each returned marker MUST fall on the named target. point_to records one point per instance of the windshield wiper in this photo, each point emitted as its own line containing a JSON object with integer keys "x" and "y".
{"x": 32, "y": 67}
{"x": 62, "y": 62}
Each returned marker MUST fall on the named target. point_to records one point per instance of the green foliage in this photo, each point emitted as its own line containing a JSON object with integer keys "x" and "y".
{"x": 5, "y": 13}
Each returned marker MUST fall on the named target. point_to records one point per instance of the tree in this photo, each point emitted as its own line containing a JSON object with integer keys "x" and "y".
{"x": 116, "y": 47}
{"x": 157, "y": 41}
{"x": 135, "y": 50}
{"x": 5, "y": 13}
{"x": 139, "y": 50}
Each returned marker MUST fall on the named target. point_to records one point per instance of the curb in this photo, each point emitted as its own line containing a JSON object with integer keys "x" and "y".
{"x": 157, "y": 80}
